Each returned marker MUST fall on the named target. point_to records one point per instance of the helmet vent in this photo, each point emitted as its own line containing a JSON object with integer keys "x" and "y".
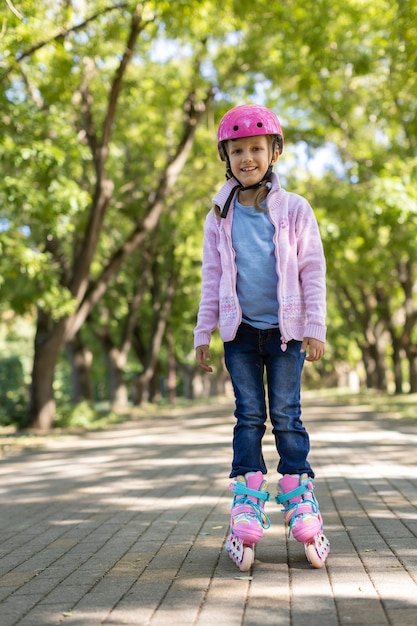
{"x": 259, "y": 124}
{"x": 236, "y": 127}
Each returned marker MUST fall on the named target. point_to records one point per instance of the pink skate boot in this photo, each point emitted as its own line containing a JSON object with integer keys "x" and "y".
{"x": 302, "y": 516}
{"x": 248, "y": 519}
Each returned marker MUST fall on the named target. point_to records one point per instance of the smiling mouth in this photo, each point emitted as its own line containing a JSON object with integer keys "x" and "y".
{"x": 248, "y": 169}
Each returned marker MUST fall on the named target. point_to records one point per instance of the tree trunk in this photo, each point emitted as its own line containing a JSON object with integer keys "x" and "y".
{"x": 188, "y": 374}
{"x": 118, "y": 388}
{"x": 412, "y": 368}
{"x": 80, "y": 359}
{"x": 172, "y": 376}
{"x": 154, "y": 387}
{"x": 375, "y": 368}
{"x": 397, "y": 365}
{"x": 48, "y": 343}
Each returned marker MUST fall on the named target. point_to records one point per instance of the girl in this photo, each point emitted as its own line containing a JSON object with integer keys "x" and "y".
{"x": 264, "y": 285}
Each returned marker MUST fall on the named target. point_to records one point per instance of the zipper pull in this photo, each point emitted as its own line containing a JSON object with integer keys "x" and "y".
{"x": 283, "y": 344}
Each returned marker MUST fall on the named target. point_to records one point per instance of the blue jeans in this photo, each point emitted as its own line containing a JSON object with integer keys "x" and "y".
{"x": 252, "y": 353}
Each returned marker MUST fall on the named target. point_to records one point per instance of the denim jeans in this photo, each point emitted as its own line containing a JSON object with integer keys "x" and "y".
{"x": 252, "y": 353}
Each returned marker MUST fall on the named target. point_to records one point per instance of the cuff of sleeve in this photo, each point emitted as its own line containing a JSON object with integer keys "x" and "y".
{"x": 316, "y": 332}
{"x": 201, "y": 339}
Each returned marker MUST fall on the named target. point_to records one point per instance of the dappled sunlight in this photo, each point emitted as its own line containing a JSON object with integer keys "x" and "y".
{"x": 367, "y": 470}
{"x": 138, "y": 518}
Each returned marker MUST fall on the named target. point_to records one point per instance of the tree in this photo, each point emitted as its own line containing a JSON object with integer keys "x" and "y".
{"x": 80, "y": 160}
{"x": 354, "y": 84}
{"x": 71, "y": 243}
{"x": 101, "y": 112}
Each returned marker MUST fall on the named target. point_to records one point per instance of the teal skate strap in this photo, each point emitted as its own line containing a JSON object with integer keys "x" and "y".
{"x": 280, "y": 498}
{"x": 284, "y": 498}
{"x": 241, "y": 490}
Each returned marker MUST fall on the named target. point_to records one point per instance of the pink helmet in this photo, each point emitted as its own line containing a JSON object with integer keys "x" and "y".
{"x": 248, "y": 120}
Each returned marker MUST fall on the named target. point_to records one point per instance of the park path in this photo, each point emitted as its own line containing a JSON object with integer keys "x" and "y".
{"x": 128, "y": 525}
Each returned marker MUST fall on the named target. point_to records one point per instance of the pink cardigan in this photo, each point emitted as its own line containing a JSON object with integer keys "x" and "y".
{"x": 300, "y": 266}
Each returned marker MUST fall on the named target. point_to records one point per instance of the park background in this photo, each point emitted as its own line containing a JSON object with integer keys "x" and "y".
{"x": 108, "y": 164}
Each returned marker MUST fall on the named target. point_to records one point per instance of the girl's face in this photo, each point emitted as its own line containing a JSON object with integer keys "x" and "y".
{"x": 250, "y": 158}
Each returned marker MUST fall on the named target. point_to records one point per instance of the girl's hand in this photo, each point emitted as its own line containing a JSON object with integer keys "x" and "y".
{"x": 202, "y": 354}
{"x": 315, "y": 347}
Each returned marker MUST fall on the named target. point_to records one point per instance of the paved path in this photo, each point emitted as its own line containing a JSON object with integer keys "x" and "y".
{"x": 127, "y": 526}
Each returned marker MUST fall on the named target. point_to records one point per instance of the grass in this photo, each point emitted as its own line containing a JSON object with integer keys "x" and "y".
{"x": 77, "y": 420}
{"x": 402, "y": 406}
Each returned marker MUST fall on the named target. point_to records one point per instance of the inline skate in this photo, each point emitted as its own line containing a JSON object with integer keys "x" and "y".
{"x": 302, "y": 516}
{"x": 248, "y": 519}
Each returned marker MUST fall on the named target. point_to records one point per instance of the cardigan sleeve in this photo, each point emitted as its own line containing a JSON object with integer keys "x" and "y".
{"x": 312, "y": 273}
{"x": 208, "y": 312}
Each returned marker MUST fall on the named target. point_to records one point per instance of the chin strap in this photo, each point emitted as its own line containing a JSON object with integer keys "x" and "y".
{"x": 241, "y": 187}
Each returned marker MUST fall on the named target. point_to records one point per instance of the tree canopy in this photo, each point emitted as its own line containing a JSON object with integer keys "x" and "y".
{"x": 108, "y": 160}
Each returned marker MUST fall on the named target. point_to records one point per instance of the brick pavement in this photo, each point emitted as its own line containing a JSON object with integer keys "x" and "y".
{"x": 127, "y": 526}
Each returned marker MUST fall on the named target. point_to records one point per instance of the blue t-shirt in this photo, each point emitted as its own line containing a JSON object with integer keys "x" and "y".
{"x": 257, "y": 280}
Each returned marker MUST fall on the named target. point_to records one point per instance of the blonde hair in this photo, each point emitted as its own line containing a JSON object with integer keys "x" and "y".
{"x": 261, "y": 196}
{"x": 217, "y": 211}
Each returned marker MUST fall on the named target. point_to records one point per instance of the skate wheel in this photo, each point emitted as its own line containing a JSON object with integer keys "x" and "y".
{"x": 247, "y": 559}
{"x": 317, "y": 551}
{"x": 312, "y": 556}
{"x": 243, "y": 555}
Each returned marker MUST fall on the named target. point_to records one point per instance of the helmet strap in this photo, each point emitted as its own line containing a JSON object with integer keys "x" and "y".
{"x": 240, "y": 187}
